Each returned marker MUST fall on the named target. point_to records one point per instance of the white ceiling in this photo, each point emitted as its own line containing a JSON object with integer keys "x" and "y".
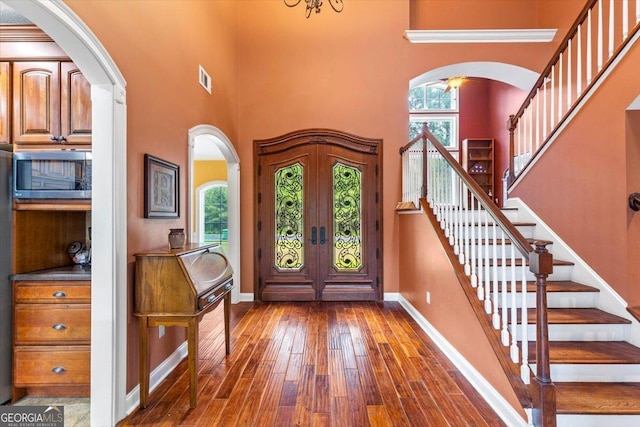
{"x": 206, "y": 148}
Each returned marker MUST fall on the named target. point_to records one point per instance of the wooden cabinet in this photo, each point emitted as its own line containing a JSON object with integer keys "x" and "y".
{"x": 75, "y": 105}
{"x": 51, "y": 104}
{"x": 478, "y": 161}
{"x": 5, "y": 97}
{"x": 51, "y": 337}
{"x": 177, "y": 287}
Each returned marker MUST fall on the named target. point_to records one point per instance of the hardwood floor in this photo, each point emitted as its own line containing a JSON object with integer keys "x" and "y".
{"x": 317, "y": 364}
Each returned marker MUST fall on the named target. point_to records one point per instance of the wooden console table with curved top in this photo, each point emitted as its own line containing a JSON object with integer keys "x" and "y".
{"x": 177, "y": 287}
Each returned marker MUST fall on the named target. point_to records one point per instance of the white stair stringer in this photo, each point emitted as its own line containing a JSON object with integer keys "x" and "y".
{"x": 605, "y": 299}
{"x": 593, "y": 420}
{"x": 579, "y": 372}
{"x": 608, "y": 300}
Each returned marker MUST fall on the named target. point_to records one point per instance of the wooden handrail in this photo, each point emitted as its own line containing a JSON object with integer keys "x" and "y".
{"x": 513, "y": 119}
{"x": 516, "y": 237}
{"x": 561, "y": 47}
{"x": 540, "y": 264}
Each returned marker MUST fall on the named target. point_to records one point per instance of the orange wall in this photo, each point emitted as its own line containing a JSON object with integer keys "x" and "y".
{"x": 273, "y": 72}
{"x": 484, "y": 14}
{"x": 339, "y": 71}
{"x": 492, "y": 14}
{"x": 158, "y": 45}
{"x": 586, "y": 176}
{"x": 424, "y": 266}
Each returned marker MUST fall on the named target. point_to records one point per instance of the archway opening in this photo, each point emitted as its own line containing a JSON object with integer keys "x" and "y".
{"x": 210, "y": 144}
{"x": 108, "y": 217}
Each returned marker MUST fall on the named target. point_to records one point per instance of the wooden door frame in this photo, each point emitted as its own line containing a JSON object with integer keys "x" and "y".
{"x": 319, "y": 136}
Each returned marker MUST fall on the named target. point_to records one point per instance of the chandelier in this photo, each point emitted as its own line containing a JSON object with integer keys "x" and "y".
{"x": 336, "y": 5}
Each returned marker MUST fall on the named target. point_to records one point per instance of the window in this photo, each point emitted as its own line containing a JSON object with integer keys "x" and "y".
{"x": 433, "y": 103}
{"x": 213, "y": 214}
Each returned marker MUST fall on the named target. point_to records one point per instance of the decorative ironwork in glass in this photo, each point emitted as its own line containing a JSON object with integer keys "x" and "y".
{"x": 347, "y": 217}
{"x": 289, "y": 253}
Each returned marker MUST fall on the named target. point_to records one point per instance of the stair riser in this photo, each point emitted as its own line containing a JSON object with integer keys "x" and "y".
{"x": 561, "y": 372}
{"x": 556, "y": 299}
{"x": 480, "y": 252}
{"x": 481, "y": 232}
{"x": 511, "y": 214}
{"x": 560, "y": 272}
{"x": 567, "y": 420}
{"x": 589, "y": 332}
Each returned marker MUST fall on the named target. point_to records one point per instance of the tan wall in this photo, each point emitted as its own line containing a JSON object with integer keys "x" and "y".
{"x": 424, "y": 266}
{"x": 208, "y": 170}
{"x": 158, "y": 45}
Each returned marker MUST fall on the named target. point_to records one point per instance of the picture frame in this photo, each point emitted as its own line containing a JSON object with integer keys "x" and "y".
{"x": 161, "y": 188}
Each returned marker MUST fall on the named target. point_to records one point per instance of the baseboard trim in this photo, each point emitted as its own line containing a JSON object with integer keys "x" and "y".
{"x": 245, "y": 297}
{"x": 391, "y": 296}
{"x": 505, "y": 411}
{"x": 388, "y": 296}
{"x": 156, "y": 377}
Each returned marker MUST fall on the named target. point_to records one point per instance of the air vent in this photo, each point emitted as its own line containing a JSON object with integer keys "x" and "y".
{"x": 205, "y": 80}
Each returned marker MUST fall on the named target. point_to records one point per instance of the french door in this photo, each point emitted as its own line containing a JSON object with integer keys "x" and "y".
{"x": 319, "y": 226}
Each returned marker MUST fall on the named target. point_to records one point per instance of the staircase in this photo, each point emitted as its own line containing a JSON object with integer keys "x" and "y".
{"x": 595, "y": 370}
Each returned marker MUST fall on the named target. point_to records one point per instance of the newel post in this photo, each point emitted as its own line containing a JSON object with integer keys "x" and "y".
{"x": 511, "y": 126}
{"x": 543, "y": 390}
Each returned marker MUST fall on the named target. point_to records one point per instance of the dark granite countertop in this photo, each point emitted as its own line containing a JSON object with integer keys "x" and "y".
{"x": 69, "y": 272}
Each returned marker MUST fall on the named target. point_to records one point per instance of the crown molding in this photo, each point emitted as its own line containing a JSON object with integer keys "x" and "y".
{"x": 22, "y": 33}
{"x": 481, "y": 36}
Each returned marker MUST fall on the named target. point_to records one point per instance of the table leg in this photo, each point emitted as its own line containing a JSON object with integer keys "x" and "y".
{"x": 192, "y": 343}
{"x": 144, "y": 361}
{"x": 227, "y": 313}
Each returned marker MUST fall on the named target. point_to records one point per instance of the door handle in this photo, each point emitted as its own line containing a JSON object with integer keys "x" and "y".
{"x": 322, "y": 236}
{"x": 314, "y": 235}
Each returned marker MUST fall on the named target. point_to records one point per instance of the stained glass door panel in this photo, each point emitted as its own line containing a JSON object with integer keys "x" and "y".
{"x": 317, "y": 221}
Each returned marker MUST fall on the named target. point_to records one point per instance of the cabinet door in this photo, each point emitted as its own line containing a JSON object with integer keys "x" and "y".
{"x": 36, "y": 102}
{"x": 5, "y": 118}
{"x": 75, "y": 103}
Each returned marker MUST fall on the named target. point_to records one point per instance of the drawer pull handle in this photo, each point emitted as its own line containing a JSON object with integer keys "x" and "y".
{"x": 228, "y": 286}
{"x": 59, "y": 326}
{"x": 59, "y": 294}
{"x": 211, "y": 298}
{"x": 58, "y": 370}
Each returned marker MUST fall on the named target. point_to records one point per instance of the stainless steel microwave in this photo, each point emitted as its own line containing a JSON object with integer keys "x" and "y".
{"x": 60, "y": 174}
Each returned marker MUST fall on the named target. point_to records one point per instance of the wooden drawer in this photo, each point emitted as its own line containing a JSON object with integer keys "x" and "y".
{"x": 41, "y": 366}
{"x": 53, "y": 292}
{"x": 52, "y": 324}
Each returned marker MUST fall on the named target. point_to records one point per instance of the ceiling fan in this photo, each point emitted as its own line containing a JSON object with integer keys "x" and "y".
{"x": 451, "y": 82}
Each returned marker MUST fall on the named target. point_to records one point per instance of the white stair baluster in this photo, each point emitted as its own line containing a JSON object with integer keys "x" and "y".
{"x": 515, "y": 351}
{"x": 496, "y": 293}
{"x": 524, "y": 367}
{"x": 504, "y": 291}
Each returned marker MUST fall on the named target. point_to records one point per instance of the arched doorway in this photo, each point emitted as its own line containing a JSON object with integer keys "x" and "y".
{"x": 109, "y": 278}
{"x": 513, "y": 75}
{"x": 207, "y": 134}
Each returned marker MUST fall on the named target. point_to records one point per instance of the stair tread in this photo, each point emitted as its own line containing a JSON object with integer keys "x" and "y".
{"x": 560, "y": 286}
{"x": 589, "y": 352}
{"x": 569, "y": 316}
{"x": 598, "y": 398}
{"x": 557, "y": 286}
{"x": 556, "y": 261}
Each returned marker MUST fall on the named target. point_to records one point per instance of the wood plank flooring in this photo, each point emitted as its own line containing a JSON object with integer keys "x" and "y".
{"x": 317, "y": 364}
